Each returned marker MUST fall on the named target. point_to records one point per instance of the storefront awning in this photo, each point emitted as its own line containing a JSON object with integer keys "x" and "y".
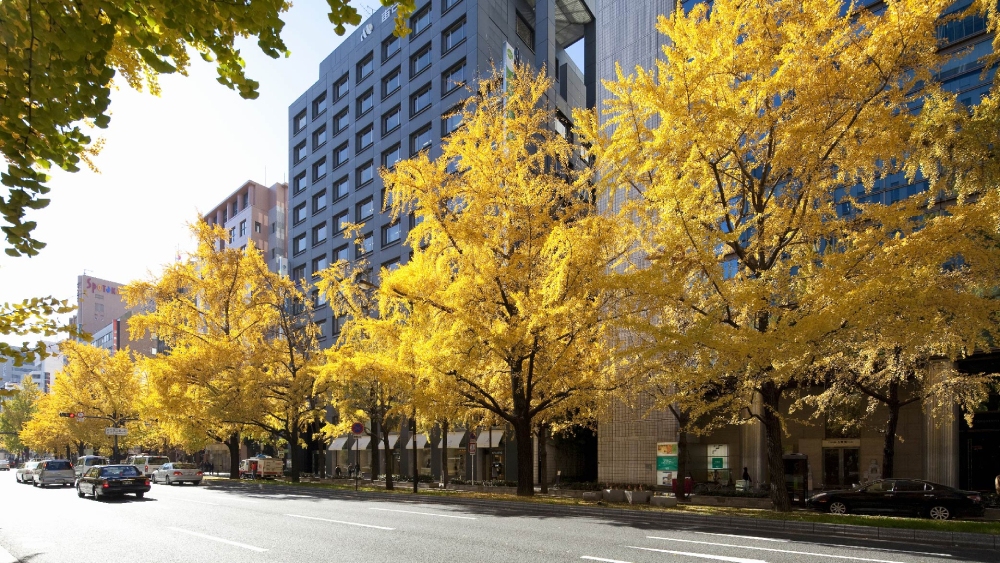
{"x": 393, "y": 438}
{"x": 456, "y": 439}
{"x": 483, "y": 440}
{"x": 421, "y": 442}
{"x": 362, "y": 442}
{"x": 339, "y": 443}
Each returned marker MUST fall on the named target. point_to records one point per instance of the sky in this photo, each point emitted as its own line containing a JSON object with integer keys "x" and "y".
{"x": 166, "y": 159}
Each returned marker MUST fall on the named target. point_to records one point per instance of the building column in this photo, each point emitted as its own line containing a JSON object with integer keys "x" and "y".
{"x": 753, "y": 450}
{"x": 940, "y": 436}
{"x": 590, "y": 62}
{"x": 545, "y": 35}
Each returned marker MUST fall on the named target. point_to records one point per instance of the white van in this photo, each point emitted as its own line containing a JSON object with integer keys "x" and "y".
{"x": 146, "y": 463}
{"x": 86, "y": 462}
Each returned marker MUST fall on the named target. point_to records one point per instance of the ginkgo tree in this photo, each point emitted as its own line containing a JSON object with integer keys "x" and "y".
{"x": 18, "y": 409}
{"x": 509, "y": 259}
{"x": 735, "y": 160}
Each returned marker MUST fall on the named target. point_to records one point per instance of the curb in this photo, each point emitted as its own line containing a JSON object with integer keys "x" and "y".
{"x": 963, "y": 540}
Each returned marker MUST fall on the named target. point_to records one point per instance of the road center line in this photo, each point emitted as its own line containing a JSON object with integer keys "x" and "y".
{"x": 848, "y": 557}
{"x": 220, "y": 540}
{"x": 742, "y": 537}
{"x": 424, "y": 513}
{"x": 701, "y": 555}
{"x": 340, "y": 522}
{"x": 602, "y": 559}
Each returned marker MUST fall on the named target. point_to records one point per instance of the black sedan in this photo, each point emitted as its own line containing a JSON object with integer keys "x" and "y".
{"x": 901, "y": 496}
{"x": 112, "y": 480}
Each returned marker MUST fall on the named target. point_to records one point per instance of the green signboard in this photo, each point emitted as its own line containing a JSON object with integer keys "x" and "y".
{"x": 718, "y": 463}
{"x": 666, "y": 463}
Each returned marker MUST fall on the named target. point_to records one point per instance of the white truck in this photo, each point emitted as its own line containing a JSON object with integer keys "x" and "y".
{"x": 261, "y": 468}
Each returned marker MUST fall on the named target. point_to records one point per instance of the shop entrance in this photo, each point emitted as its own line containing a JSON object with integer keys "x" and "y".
{"x": 841, "y": 467}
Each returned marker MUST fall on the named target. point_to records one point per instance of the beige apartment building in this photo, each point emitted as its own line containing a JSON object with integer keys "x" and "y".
{"x": 258, "y": 213}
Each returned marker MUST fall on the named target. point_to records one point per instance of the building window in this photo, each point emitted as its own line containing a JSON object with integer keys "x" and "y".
{"x": 299, "y": 122}
{"x": 319, "y": 300}
{"x": 421, "y": 20}
{"x": 299, "y": 152}
{"x": 299, "y": 246}
{"x": 390, "y": 47}
{"x": 390, "y": 233}
{"x": 299, "y": 182}
{"x": 340, "y": 155}
{"x": 420, "y": 140}
{"x": 299, "y": 213}
{"x": 366, "y": 209}
{"x": 365, "y": 173}
{"x": 420, "y": 100}
{"x": 366, "y": 102}
{"x": 447, "y": 4}
{"x": 420, "y": 60}
{"x": 256, "y": 226}
{"x": 298, "y": 272}
{"x": 321, "y": 332}
{"x": 391, "y": 156}
{"x": 391, "y": 265}
{"x": 453, "y": 78}
{"x": 453, "y": 36}
{"x": 243, "y": 228}
{"x": 340, "y": 121}
{"x": 319, "y": 105}
{"x": 319, "y": 202}
{"x": 319, "y": 169}
{"x": 319, "y": 234}
{"x": 341, "y": 188}
{"x": 340, "y": 88}
{"x": 390, "y": 83}
{"x": 525, "y": 31}
{"x": 390, "y": 121}
{"x": 341, "y": 253}
{"x": 340, "y": 221}
{"x": 319, "y": 264}
{"x": 451, "y": 121}
{"x": 367, "y": 244}
{"x": 319, "y": 137}
{"x": 366, "y": 137}
{"x": 246, "y": 200}
{"x": 338, "y": 323}
{"x": 366, "y": 66}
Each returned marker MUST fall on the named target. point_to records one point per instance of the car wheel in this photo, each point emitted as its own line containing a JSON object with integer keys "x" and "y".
{"x": 838, "y": 507}
{"x": 939, "y": 513}
{"x": 79, "y": 492}
{"x": 169, "y": 482}
{"x": 140, "y": 495}
{"x": 34, "y": 483}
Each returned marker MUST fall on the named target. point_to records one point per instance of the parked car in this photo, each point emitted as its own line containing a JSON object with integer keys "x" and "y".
{"x": 177, "y": 472}
{"x": 86, "y": 462}
{"x": 4, "y": 465}
{"x": 26, "y": 473}
{"x": 54, "y": 472}
{"x": 902, "y": 496}
{"x": 146, "y": 463}
{"x": 112, "y": 480}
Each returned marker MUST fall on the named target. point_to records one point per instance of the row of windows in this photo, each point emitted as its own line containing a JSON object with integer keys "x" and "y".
{"x": 451, "y": 37}
{"x": 391, "y": 234}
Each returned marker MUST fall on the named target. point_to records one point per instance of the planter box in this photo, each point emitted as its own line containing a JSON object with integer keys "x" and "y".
{"x": 613, "y": 495}
{"x": 592, "y": 496}
{"x": 736, "y": 502}
{"x": 665, "y": 502}
{"x": 638, "y": 497}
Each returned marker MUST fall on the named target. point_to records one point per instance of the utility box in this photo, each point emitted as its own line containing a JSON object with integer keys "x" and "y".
{"x": 797, "y": 478}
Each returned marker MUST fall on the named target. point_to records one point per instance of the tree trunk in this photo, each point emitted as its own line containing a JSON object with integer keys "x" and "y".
{"x": 889, "y": 447}
{"x": 682, "y": 465}
{"x": 543, "y": 458}
{"x": 413, "y": 443}
{"x": 522, "y": 433}
{"x": 233, "y": 443}
{"x": 295, "y": 450}
{"x": 444, "y": 453}
{"x": 771, "y": 398}
{"x": 388, "y": 461}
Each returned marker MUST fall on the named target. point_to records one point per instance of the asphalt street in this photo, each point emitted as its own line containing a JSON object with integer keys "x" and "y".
{"x": 226, "y": 522}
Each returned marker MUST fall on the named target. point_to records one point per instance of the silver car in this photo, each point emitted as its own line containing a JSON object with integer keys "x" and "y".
{"x": 26, "y": 473}
{"x": 54, "y": 472}
{"x": 177, "y": 472}
{"x": 4, "y": 465}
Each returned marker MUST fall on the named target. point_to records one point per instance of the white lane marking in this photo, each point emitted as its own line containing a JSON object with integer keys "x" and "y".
{"x": 6, "y": 557}
{"x": 879, "y": 549}
{"x": 701, "y": 555}
{"x": 602, "y": 559}
{"x": 777, "y": 550}
{"x": 220, "y": 540}
{"x": 340, "y": 522}
{"x": 425, "y": 513}
{"x": 197, "y": 501}
{"x": 742, "y": 537}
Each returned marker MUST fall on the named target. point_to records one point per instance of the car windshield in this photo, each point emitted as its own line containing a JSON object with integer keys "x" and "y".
{"x": 31, "y": 465}
{"x": 185, "y": 466}
{"x": 157, "y": 460}
{"x": 97, "y": 461}
{"x": 119, "y": 471}
{"x": 58, "y": 465}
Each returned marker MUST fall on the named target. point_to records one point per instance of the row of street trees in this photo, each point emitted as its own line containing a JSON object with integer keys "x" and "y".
{"x": 714, "y": 244}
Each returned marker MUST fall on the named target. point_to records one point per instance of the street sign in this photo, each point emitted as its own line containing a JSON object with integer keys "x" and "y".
{"x": 358, "y": 428}
{"x": 111, "y": 431}
{"x": 79, "y": 416}
{"x": 472, "y": 448}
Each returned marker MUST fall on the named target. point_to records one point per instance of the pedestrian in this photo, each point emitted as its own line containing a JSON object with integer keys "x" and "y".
{"x": 350, "y": 471}
{"x": 997, "y": 483}
{"x": 746, "y": 478}
{"x": 336, "y": 471}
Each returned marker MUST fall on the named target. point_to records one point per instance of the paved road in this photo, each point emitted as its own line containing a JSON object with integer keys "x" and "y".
{"x": 242, "y": 522}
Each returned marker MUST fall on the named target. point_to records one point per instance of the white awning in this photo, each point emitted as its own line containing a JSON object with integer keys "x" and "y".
{"x": 456, "y": 439}
{"x": 339, "y": 443}
{"x": 361, "y": 443}
{"x": 483, "y": 440}
{"x": 421, "y": 442}
{"x": 393, "y": 438}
